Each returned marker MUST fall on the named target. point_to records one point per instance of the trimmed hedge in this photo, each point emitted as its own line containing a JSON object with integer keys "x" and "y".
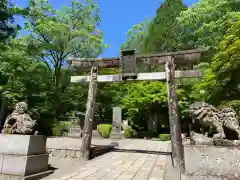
{"x": 104, "y": 130}
{"x": 128, "y": 131}
{"x": 164, "y": 137}
{"x": 61, "y": 128}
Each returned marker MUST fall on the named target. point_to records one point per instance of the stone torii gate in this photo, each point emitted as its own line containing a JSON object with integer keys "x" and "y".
{"x": 128, "y": 63}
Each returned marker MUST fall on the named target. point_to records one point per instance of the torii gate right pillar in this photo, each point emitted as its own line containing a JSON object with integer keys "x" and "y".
{"x": 174, "y": 119}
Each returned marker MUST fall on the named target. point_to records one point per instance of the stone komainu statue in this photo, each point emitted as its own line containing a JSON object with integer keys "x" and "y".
{"x": 19, "y": 122}
{"x": 215, "y": 121}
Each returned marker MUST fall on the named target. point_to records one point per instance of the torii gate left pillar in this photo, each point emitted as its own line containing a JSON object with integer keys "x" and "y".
{"x": 88, "y": 122}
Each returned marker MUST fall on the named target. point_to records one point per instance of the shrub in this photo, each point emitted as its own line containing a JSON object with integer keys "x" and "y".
{"x": 164, "y": 137}
{"x": 128, "y": 131}
{"x": 61, "y": 128}
{"x": 104, "y": 130}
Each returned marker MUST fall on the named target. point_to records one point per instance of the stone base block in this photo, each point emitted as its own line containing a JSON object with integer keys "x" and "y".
{"x": 211, "y": 161}
{"x": 22, "y": 144}
{"x": 116, "y": 136}
{"x": 23, "y": 156}
{"x": 30, "y": 177}
{"x": 23, "y": 165}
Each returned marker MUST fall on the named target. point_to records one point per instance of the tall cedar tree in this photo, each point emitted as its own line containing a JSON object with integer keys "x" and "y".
{"x": 161, "y": 31}
{"x": 6, "y": 20}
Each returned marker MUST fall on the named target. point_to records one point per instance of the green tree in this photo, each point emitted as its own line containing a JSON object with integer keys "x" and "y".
{"x": 162, "y": 28}
{"x": 6, "y": 19}
{"x": 136, "y": 36}
{"x": 204, "y": 24}
{"x": 226, "y": 65}
{"x": 57, "y": 34}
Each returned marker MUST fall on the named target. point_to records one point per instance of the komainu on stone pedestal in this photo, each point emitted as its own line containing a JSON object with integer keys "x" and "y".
{"x": 220, "y": 125}
{"x": 19, "y": 122}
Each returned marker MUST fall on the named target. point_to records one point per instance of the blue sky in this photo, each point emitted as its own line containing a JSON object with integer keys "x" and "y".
{"x": 117, "y": 17}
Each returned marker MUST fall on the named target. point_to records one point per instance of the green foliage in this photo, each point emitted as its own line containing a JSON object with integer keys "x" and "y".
{"x": 128, "y": 131}
{"x": 34, "y": 67}
{"x": 7, "y": 28}
{"x": 139, "y": 95}
{"x": 136, "y": 36}
{"x": 61, "y": 128}
{"x": 235, "y": 104}
{"x": 104, "y": 130}
{"x": 213, "y": 24}
{"x": 164, "y": 137}
{"x": 162, "y": 28}
{"x": 205, "y": 23}
{"x": 225, "y": 63}
{"x": 56, "y": 34}
{"x": 220, "y": 81}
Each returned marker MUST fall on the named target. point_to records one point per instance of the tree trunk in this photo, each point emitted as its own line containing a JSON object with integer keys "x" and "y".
{"x": 3, "y": 112}
{"x": 56, "y": 80}
{"x": 174, "y": 119}
{"x": 87, "y": 130}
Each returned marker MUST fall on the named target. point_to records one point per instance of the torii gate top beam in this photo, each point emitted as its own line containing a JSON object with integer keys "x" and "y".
{"x": 180, "y": 57}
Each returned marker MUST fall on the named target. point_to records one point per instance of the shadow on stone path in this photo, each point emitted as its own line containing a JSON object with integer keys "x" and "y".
{"x": 133, "y": 159}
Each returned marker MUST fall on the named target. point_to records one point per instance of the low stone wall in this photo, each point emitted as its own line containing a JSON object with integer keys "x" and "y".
{"x": 96, "y": 150}
{"x": 64, "y": 153}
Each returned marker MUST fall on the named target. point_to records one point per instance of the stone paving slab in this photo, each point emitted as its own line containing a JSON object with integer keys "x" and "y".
{"x": 147, "y": 164}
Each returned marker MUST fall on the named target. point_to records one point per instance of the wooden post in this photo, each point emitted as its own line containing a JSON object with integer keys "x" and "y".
{"x": 174, "y": 119}
{"x": 87, "y": 130}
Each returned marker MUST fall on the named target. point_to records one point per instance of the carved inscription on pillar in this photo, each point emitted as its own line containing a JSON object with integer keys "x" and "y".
{"x": 212, "y": 160}
{"x": 219, "y": 161}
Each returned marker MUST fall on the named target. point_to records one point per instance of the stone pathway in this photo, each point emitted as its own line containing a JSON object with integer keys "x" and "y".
{"x": 133, "y": 160}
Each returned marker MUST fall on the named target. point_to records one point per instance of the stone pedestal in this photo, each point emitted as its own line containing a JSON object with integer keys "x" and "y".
{"x": 23, "y": 157}
{"x": 211, "y": 163}
{"x": 116, "y": 132}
